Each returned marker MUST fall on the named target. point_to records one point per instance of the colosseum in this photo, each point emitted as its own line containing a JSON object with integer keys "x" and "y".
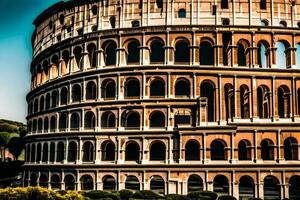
{"x": 172, "y": 96}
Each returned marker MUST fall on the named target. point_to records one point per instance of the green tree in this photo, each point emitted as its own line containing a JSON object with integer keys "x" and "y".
{"x": 4, "y": 140}
{"x": 15, "y": 146}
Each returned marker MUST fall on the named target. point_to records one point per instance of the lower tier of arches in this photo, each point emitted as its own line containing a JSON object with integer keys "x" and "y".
{"x": 239, "y": 182}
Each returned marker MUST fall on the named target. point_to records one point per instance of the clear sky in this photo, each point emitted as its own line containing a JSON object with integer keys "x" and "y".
{"x": 16, "y": 17}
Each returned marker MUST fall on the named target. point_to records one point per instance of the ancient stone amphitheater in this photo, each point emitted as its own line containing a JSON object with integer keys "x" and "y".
{"x": 171, "y": 96}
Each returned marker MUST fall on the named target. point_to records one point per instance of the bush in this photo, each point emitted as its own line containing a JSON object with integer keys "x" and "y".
{"x": 97, "y": 194}
{"x": 146, "y": 194}
{"x": 226, "y": 197}
{"x": 203, "y": 195}
{"x": 176, "y": 197}
{"x": 253, "y": 198}
{"x": 125, "y": 194}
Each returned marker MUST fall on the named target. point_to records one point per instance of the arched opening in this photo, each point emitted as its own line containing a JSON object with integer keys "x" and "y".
{"x": 78, "y": 57}
{"x": 192, "y": 150}
{"x": 94, "y": 10}
{"x": 72, "y": 151}
{"x": 42, "y": 103}
{"x": 207, "y": 94}
{"x": 244, "y": 150}
{"x": 271, "y": 188}
{"x": 45, "y": 153}
{"x": 183, "y": 117}
{"x": 157, "y": 88}
{"x": 263, "y": 4}
{"x": 47, "y": 103}
{"x": 267, "y": 149}
{"x": 298, "y": 55}
{"x": 291, "y": 149}
{"x": 221, "y": 185}
{"x": 263, "y": 101}
{"x": 89, "y": 120}
{"x": 157, "y": 119}
{"x": 108, "y": 120}
{"x": 207, "y": 55}
{"x": 159, "y": 4}
{"x": 109, "y": 183}
{"x": 294, "y": 188}
{"x": 132, "y": 88}
{"x": 244, "y": 102}
{"x": 62, "y": 121}
{"x": 108, "y": 89}
{"x": 218, "y": 150}
{"x": 282, "y": 54}
{"x": 32, "y": 156}
{"x": 224, "y": 4}
{"x": 87, "y": 152}
{"x": 64, "y": 96}
{"x": 92, "y": 52}
{"x": 246, "y": 188}
{"x": 108, "y": 151}
{"x": 112, "y": 21}
{"x": 76, "y": 93}
{"x": 33, "y": 180}
{"x": 40, "y": 124}
{"x": 43, "y": 181}
{"x": 36, "y": 104}
{"x": 65, "y": 62}
{"x": 132, "y": 183}
{"x": 131, "y": 119}
{"x": 157, "y": 52}
{"x": 182, "y": 52}
{"x": 110, "y": 50}
{"x": 241, "y": 55}
{"x": 39, "y": 153}
{"x": 55, "y": 182}
{"x": 52, "y": 152}
{"x": 182, "y": 13}
{"x": 75, "y": 121}
{"x": 91, "y": 91}
{"x": 262, "y": 54}
{"x": 182, "y": 88}
{"x": 60, "y": 152}
{"x": 132, "y": 152}
{"x": 229, "y": 101}
{"x": 69, "y": 182}
{"x": 195, "y": 183}
{"x": 157, "y": 185}
{"x": 157, "y": 151}
{"x": 53, "y": 123}
{"x": 87, "y": 182}
{"x": 283, "y": 98}
{"x": 54, "y": 98}
{"x": 133, "y": 52}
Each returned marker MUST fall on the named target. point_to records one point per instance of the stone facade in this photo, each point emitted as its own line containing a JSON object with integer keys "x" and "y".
{"x": 173, "y": 96}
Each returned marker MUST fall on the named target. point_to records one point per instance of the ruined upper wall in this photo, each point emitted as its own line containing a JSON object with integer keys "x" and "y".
{"x": 73, "y": 18}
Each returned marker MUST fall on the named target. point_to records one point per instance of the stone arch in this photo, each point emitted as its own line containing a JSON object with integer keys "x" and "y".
{"x": 54, "y": 98}
{"x": 132, "y": 151}
{"x": 218, "y": 150}
{"x": 45, "y": 152}
{"x": 263, "y": 101}
{"x": 76, "y": 93}
{"x": 244, "y": 150}
{"x": 64, "y": 96}
{"x": 91, "y": 90}
{"x": 75, "y": 121}
{"x": 92, "y": 53}
{"x": 43, "y": 180}
{"x": 283, "y": 101}
{"x": 78, "y": 57}
{"x": 157, "y": 151}
{"x": 263, "y": 54}
{"x": 55, "y": 182}
{"x": 110, "y": 52}
{"x": 131, "y": 119}
{"x": 207, "y": 94}
{"x": 271, "y": 188}
{"x": 39, "y": 153}
{"x": 267, "y": 149}
{"x": 53, "y": 123}
{"x": 221, "y": 185}
{"x": 294, "y": 187}
{"x": 157, "y": 51}
{"x": 63, "y": 121}
{"x": 132, "y": 88}
{"x": 42, "y": 103}
{"x": 48, "y": 102}
{"x": 108, "y": 149}
{"x": 207, "y": 54}
{"x": 229, "y": 101}
{"x": 244, "y": 101}
{"x": 108, "y": 120}
{"x": 60, "y": 152}
{"x": 246, "y": 187}
{"x": 89, "y": 120}
{"x": 52, "y": 152}
{"x": 87, "y": 151}
{"x": 283, "y": 56}
{"x": 109, "y": 183}
{"x": 157, "y": 87}
{"x": 157, "y": 119}
{"x": 133, "y": 51}
{"x": 65, "y": 62}
{"x": 290, "y": 148}
{"x": 108, "y": 89}
{"x": 157, "y": 184}
{"x": 72, "y": 151}
{"x": 243, "y": 54}
{"x": 194, "y": 183}
{"x": 87, "y": 182}
{"x": 182, "y": 50}
{"x": 69, "y": 181}
{"x": 192, "y": 150}
{"x": 182, "y": 88}
{"x": 132, "y": 183}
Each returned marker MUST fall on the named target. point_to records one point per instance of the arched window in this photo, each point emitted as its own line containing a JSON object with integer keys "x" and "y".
{"x": 271, "y": 188}
{"x": 221, "y": 185}
{"x": 75, "y": 121}
{"x": 78, "y": 57}
{"x": 60, "y": 152}
{"x": 182, "y": 52}
{"x": 132, "y": 88}
{"x": 36, "y": 104}
{"x": 183, "y": 118}
{"x": 40, "y": 124}
{"x": 157, "y": 119}
{"x": 157, "y": 88}
{"x": 244, "y": 102}
{"x": 241, "y": 51}
{"x": 43, "y": 181}
{"x": 39, "y": 152}
{"x": 42, "y": 103}
{"x": 92, "y": 52}
{"x": 47, "y": 103}
{"x": 94, "y": 10}
{"x": 32, "y": 156}
{"x": 133, "y": 52}
{"x": 282, "y": 54}
{"x": 229, "y": 101}
{"x": 131, "y": 120}
{"x": 54, "y": 98}
{"x": 291, "y": 149}
{"x": 157, "y": 52}
{"x": 91, "y": 91}
{"x": 294, "y": 188}
{"x": 45, "y": 153}
{"x": 159, "y": 3}
{"x": 55, "y": 182}
{"x": 108, "y": 120}
{"x": 267, "y": 149}
{"x": 132, "y": 152}
{"x": 65, "y": 62}
{"x": 132, "y": 183}
{"x": 62, "y": 121}
{"x": 244, "y": 150}
{"x": 157, "y": 185}
{"x": 34, "y": 126}
{"x": 207, "y": 55}
{"x": 263, "y": 4}
{"x": 282, "y": 24}
{"x": 298, "y": 100}
{"x": 33, "y": 180}
{"x": 87, "y": 152}
{"x": 182, "y": 88}
{"x": 157, "y": 151}
{"x": 192, "y": 150}
{"x": 52, "y": 123}
{"x": 263, "y": 101}
{"x": 182, "y": 13}
{"x": 224, "y": 4}
{"x": 76, "y": 93}
{"x": 112, "y": 21}
{"x": 135, "y": 23}
{"x": 195, "y": 183}
{"x": 89, "y": 120}
{"x": 207, "y": 94}
{"x": 52, "y": 152}
{"x": 64, "y": 96}
{"x": 69, "y": 182}
{"x": 298, "y": 54}
{"x": 283, "y": 98}
{"x": 108, "y": 89}
{"x": 72, "y": 152}
{"x": 87, "y": 182}
{"x": 218, "y": 150}
{"x": 110, "y": 50}
{"x": 108, "y": 151}
{"x": 246, "y": 187}
{"x": 109, "y": 183}
{"x": 262, "y": 54}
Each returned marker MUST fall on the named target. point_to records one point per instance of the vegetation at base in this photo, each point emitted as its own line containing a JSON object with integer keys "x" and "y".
{"x": 38, "y": 193}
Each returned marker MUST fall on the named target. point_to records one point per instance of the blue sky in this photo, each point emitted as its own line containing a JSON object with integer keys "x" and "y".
{"x": 16, "y": 17}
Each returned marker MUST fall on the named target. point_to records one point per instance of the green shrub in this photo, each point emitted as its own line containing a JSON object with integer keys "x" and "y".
{"x": 146, "y": 194}
{"x": 176, "y": 197}
{"x": 97, "y": 194}
{"x": 226, "y": 197}
{"x": 125, "y": 194}
{"x": 253, "y": 198}
{"x": 203, "y": 195}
